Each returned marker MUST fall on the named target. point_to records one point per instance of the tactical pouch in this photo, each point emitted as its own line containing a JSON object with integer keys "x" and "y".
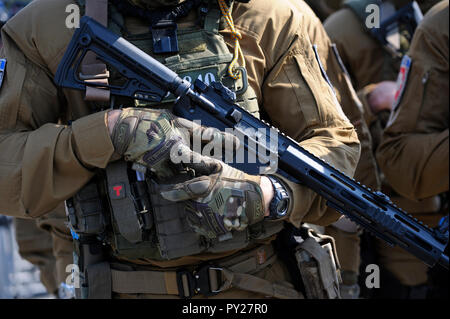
{"x": 176, "y": 237}
{"x": 130, "y": 212}
{"x": 85, "y": 211}
{"x": 319, "y": 267}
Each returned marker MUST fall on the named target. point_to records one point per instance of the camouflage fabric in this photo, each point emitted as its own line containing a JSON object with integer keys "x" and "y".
{"x": 221, "y": 200}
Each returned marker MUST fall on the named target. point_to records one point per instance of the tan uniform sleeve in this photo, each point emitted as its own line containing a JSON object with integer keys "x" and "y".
{"x": 414, "y": 154}
{"x": 41, "y": 162}
{"x": 366, "y": 171}
{"x": 299, "y": 101}
{"x": 295, "y": 97}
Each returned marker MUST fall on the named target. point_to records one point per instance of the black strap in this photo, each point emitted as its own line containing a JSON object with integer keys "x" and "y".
{"x": 162, "y": 22}
{"x": 99, "y": 281}
{"x": 122, "y": 202}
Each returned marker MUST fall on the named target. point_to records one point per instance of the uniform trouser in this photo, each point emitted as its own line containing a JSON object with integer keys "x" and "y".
{"x": 36, "y": 246}
{"x": 46, "y": 243}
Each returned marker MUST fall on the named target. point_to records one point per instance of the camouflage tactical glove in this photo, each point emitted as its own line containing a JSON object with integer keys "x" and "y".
{"x": 221, "y": 200}
{"x": 148, "y": 136}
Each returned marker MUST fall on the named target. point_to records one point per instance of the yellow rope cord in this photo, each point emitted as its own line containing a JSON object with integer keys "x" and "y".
{"x": 235, "y": 74}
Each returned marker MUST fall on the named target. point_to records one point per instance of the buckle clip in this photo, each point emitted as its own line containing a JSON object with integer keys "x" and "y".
{"x": 203, "y": 280}
{"x": 185, "y": 279}
{"x": 165, "y": 39}
{"x": 196, "y": 282}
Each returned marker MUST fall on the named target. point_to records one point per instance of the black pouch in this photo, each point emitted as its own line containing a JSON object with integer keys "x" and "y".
{"x": 132, "y": 233}
{"x": 85, "y": 210}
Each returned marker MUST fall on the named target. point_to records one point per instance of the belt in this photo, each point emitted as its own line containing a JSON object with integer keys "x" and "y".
{"x": 208, "y": 279}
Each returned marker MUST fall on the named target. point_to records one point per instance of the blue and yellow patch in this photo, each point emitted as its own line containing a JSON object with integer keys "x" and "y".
{"x": 2, "y": 70}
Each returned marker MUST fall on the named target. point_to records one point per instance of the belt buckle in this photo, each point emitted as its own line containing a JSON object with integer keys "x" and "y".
{"x": 198, "y": 282}
{"x": 203, "y": 282}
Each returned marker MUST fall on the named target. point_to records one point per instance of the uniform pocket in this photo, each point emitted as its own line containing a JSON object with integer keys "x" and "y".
{"x": 302, "y": 89}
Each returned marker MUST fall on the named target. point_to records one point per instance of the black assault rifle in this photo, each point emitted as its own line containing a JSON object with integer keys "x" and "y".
{"x": 215, "y": 106}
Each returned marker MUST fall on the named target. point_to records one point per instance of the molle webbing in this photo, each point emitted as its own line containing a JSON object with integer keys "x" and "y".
{"x": 176, "y": 238}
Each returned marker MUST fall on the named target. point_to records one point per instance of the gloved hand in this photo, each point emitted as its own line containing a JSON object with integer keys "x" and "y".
{"x": 148, "y": 136}
{"x": 220, "y": 198}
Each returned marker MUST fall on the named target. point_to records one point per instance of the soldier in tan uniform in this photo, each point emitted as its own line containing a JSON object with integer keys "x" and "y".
{"x": 414, "y": 152}
{"x": 37, "y": 239}
{"x": 417, "y": 131}
{"x": 43, "y": 163}
{"x": 373, "y": 70}
{"x": 345, "y": 233}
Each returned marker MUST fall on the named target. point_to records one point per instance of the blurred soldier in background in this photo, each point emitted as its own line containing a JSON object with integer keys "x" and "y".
{"x": 373, "y": 56}
{"x": 414, "y": 151}
{"x": 344, "y": 231}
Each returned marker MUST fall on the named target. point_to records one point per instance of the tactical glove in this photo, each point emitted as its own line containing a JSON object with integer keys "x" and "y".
{"x": 222, "y": 199}
{"x": 148, "y": 136}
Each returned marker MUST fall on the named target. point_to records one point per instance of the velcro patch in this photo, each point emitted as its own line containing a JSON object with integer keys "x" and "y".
{"x": 117, "y": 191}
{"x": 402, "y": 80}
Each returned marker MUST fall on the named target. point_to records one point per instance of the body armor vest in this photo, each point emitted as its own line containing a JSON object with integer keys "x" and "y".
{"x": 119, "y": 206}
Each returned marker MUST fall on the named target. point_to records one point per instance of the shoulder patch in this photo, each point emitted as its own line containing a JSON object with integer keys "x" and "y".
{"x": 2, "y": 71}
{"x": 402, "y": 79}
